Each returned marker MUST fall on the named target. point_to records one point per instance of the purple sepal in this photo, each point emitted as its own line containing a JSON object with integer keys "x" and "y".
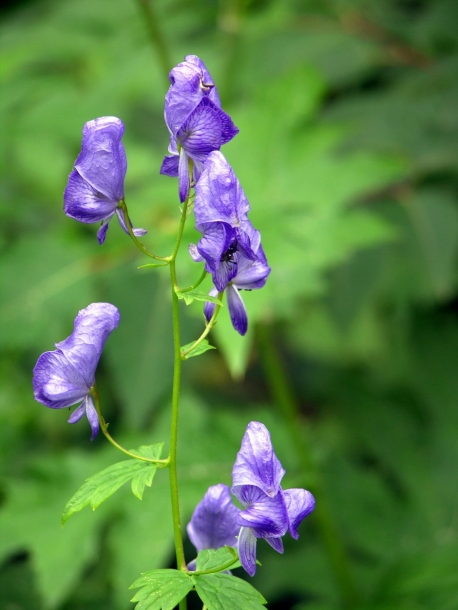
{"x": 102, "y": 232}
{"x": 122, "y": 221}
{"x": 83, "y": 203}
{"x": 256, "y": 463}
{"x": 169, "y": 166}
{"x": 237, "y": 310}
{"x": 102, "y": 161}
{"x": 183, "y": 176}
{"x": 95, "y": 186}
{"x": 219, "y": 196}
{"x": 65, "y": 376}
{"x": 86, "y": 408}
{"x": 214, "y": 521}
{"x": 209, "y": 307}
{"x": 216, "y": 240}
{"x": 190, "y": 83}
{"x": 276, "y": 543}
{"x": 266, "y": 516}
{"x": 247, "y": 550}
{"x": 299, "y": 503}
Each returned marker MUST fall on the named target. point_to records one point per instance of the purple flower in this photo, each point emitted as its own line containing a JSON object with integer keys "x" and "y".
{"x": 64, "y": 377}
{"x": 195, "y": 120}
{"x": 95, "y": 186}
{"x": 214, "y": 520}
{"x": 249, "y": 275}
{"x": 269, "y": 511}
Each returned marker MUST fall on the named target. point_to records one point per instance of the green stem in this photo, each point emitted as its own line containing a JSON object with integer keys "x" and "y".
{"x": 208, "y": 328}
{"x": 122, "y": 205}
{"x": 156, "y": 37}
{"x": 179, "y": 550}
{"x": 95, "y": 395}
{"x": 283, "y": 396}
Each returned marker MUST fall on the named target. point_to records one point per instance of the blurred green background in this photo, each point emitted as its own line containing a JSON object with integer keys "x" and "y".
{"x": 347, "y": 152}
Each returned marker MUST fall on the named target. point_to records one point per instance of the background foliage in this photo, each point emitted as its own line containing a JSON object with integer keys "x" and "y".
{"x": 348, "y": 154}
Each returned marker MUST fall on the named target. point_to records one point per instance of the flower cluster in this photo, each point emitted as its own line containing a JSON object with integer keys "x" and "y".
{"x": 269, "y": 511}
{"x": 65, "y": 377}
{"x": 230, "y": 246}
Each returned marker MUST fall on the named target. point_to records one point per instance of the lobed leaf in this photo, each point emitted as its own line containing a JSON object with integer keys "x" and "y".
{"x": 226, "y": 592}
{"x": 197, "y": 295}
{"x": 204, "y": 346}
{"x": 102, "y": 485}
{"x": 161, "y": 589}
{"x": 211, "y": 559}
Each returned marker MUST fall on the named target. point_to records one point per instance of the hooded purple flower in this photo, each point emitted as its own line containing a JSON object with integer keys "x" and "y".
{"x": 214, "y": 521}
{"x": 64, "y": 377}
{"x": 249, "y": 275}
{"x": 220, "y": 210}
{"x": 269, "y": 511}
{"x": 196, "y": 123}
{"x": 233, "y": 255}
{"x": 95, "y": 187}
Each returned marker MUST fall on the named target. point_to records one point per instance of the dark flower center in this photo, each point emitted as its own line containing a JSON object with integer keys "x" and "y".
{"x": 228, "y": 256}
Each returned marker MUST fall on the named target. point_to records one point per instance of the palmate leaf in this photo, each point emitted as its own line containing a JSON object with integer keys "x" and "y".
{"x": 161, "y": 589}
{"x": 226, "y": 592}
{"x": 102, "y": 485}
{"x": 197, "y": 295}
{"x": 203, "y": 346}
{"x": 216, "y": 560}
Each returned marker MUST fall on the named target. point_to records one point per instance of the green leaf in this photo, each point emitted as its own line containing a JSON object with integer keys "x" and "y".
{"x": 211, "y": 559}
{"x": 204, "y": 346}
{"x": 161, "y": 589}
{"x": 145, "y": 476}
{"x": 225, "y": 592}
{"x": 102, "y": 485}
{"x": 197, "y": 295}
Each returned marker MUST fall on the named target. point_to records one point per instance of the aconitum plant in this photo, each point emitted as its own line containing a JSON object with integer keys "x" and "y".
{"x": 227, "y": 523}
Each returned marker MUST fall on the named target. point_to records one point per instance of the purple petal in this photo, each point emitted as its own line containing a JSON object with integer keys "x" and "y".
{"x": 247, "y": 550}
{"x": 209, "y": 307}
{"x": 78, "y": 413}
{"x": 102, "y": 233}
{"x": 56, "y": 382}
{"x": 219, "y": 196}
{"x": 102, "y": 160}
{"x": 237, "y": 310}
{"x": 191, "y": 82}
{"x": 84, "y": 346}
{"x": 122, "y": 221}
{"x": 85, "y": 204}
{"x": 169, "y": 166}
{"x": 256, "y": 462}
{"x": 92, "y": 417}
{"x": 214, "y": 521}
{"x": 299, "y": 503}
{"x": 224, "y": 273}
{"x": 200, "y": 134}
{"x": 215, "y": 241}
{"x": 194, "y": 252}
{"x": 276, "y": 543}
{"x": 252, "y": 274}
{"x": 183, "y": 176}
{"x": 266, "y": 516}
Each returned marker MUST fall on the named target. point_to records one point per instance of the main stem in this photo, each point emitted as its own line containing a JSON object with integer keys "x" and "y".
{"x": 173, "y": 475}
{"x": 329, "y": 533}
{"x": 181, "y": 563}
